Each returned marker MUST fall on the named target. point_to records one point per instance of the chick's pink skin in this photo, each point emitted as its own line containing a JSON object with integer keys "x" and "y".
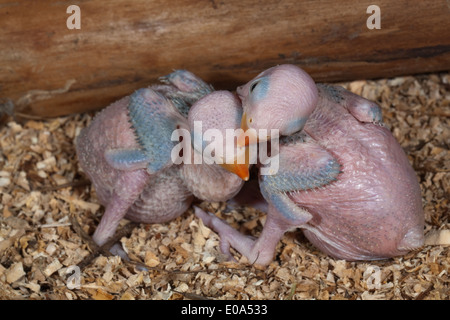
{"x": 220, "y": 110}
{"x": 277, "y": 99}
{"x": 123, "y": 192}
{"x": 374, "y": 209}
{"x": 133, "y": 192}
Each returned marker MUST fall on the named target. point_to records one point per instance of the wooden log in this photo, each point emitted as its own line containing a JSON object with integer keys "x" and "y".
{"x": 47, "y": 69}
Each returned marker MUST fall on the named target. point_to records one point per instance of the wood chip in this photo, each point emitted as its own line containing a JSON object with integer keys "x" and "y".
{"x": 15, "y": 272}
{"x": 438, "y": 237}
{"x": 54, "y": 266}
{"x": 4, "y": 182}
{"x": 49, "y": 211}
{"x": 99, "y": 294}
{"x": 151, "y": 260}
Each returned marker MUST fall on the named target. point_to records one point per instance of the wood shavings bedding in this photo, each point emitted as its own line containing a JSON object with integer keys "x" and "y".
{"x": 42, "y": 190}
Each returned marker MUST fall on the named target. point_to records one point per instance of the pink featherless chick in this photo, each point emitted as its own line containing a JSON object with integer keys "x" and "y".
{"x": 127, "y": 152}
{"x": 343, "y": 178}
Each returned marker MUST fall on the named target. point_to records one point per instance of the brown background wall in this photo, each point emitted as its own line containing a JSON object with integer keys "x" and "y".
{"x": 48, "y": 70}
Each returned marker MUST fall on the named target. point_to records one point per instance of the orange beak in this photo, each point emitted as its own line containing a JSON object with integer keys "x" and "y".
{"x": 247, "y": 136}
{"x": 241, "y": 170}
